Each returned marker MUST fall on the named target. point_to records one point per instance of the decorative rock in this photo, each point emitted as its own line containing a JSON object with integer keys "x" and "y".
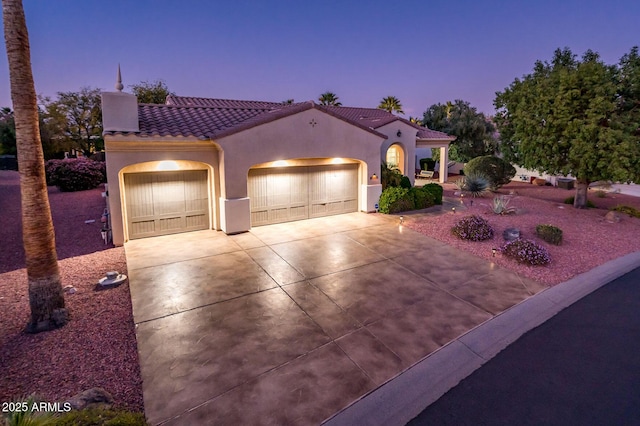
{"x": 511, "y": 234}
{"x": 69, "y": 289}
{"x": 91, "y": 398}
{"x": 613, "y": 217}
{"x": 112, "y": 278}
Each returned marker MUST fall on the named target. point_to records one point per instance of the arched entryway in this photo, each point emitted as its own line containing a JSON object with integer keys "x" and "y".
{"x": 395, "y": 157}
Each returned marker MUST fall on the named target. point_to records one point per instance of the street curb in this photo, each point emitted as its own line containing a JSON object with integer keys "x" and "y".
{"x": 404, "y": 397}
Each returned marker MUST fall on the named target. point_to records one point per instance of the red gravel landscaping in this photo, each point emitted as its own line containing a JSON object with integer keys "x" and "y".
{"x": 588, "y": 239}
{"x": 97, "y": 348}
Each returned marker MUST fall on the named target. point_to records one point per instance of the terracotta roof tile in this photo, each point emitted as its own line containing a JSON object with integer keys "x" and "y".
{"x": 215, "y": 118}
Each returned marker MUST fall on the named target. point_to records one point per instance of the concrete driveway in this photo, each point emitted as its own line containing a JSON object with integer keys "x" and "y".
{"x": 291, "y": 323}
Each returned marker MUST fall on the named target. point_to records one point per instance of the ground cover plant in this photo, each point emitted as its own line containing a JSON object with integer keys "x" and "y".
{"x": 473, "y": 228}
{"x": 526, "y": 251}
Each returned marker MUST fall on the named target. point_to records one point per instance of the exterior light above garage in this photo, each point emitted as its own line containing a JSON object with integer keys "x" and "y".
{"x": 167, "y": 165}
{"x": 280, "y": 163}
{"x": 337, "y": 160}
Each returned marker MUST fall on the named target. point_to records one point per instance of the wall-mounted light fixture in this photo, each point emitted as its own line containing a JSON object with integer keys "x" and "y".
{"x": 374, "y": 177}
{"x": 399, "y": 133}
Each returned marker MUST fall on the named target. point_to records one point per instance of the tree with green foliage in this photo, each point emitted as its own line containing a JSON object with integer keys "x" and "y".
{"x": 473, "y": 131}
{"x": 498, "y": 171}
{"x": 76, "y": 117}
{"x": 391, "y": 104}
{"x": 155, "y": 92}
{"x": 329, "y": 99}
{"x": 574, "y": 117}
{"x": 7, "y": 132}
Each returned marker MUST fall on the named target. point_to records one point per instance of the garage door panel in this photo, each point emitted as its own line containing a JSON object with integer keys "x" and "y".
{"x": 297, "y": 193}
{"x": 166, "y": 202}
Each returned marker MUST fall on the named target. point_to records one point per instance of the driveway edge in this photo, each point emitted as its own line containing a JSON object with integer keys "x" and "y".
{"x": 404, "y": 397}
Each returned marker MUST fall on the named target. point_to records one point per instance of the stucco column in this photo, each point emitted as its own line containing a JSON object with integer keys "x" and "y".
{"x": 444, "y": 163}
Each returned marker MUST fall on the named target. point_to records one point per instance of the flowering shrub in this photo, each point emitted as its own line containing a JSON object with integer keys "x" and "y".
{"x": 526, "y": 251}
{"x": 473, "y": 228}
{"x": 75, "y": 174}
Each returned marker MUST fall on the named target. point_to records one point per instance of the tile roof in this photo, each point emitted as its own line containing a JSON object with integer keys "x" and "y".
{"x": 207, "y": 118}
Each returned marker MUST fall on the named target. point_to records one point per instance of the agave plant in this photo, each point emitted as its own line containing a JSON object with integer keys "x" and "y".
{"x": 501, "y": 205}
{"x": 475, "y": 184}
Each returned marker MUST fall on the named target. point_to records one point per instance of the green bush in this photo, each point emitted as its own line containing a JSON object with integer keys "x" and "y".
{"x": 436, "y": 190}
{"x": 422, "y": 199}
{"x": 473, "y": 228}
{"x": 550, "y": 234}
{"x": 526, "y": 251}
{"x": 496, "y": 170}
{"x": 101, "y": 417}
{"x": 570, "y": 200}
{"x": 395, "y": 199}
{"x": 75, "y": 174}
{"x": 390, "y": 176}
{"x": 405, "y": 182}
{"x": 631, "y": 211}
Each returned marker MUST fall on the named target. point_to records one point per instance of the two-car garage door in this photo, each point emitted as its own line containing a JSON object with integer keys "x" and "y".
{"x": 167, "y": 202}
{"x": 296, "y": 193}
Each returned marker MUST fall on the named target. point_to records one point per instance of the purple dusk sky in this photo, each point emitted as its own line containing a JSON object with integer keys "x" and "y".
{"x": 422, "y": 52}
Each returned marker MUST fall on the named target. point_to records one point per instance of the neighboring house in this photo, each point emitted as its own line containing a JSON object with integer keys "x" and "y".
{"x": 196, "y": 163}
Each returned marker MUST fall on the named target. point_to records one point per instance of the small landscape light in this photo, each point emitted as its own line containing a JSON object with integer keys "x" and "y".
{"x": 453, "y": 209}
{"x": 401, "y": 220}
{"x": 493, "y": 252}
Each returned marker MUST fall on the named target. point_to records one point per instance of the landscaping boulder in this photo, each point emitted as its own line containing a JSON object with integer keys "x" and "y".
{"x": 91, "y": 398}
{"x": 511, "y": 234}
{"x": 613, "y": 217}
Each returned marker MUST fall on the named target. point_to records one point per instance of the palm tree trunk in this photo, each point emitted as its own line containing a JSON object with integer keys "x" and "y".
{"x": 46, "y": 299}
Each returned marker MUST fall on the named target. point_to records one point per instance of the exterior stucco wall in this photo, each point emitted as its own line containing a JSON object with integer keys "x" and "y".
{"x": 129, "y": 155}
{"x": 309, "y": 134}
{"x": 311, "y": 137}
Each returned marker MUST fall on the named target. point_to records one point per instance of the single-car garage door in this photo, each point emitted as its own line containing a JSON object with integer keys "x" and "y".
{"x": 162, "y": 203}
{"x": 296, "y": 193}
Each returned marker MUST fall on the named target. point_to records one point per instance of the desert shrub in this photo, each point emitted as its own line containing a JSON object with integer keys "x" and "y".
{"x": 405, "y": 182}
{"x": 101, "y": 417}
{"x": 550, "y": 234}
{"x": 436, "y": 190}
{"x": 395, "y": 199}
{"x": 421, "y": 199}
{"x": 473, "y": 228}
{"x": 475, "y": 184}
{"x": 569, "y": 200}
{"x": 500, "y": 205}
{"x": 75, "y": 174}
{"x": 390, "y": 176}
{"x": 526, "y": 251}
{"x": 631, "y": 211}
{"x": 496, "y": 170}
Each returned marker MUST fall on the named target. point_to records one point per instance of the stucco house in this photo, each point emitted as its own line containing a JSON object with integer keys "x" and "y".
{"x": 196, "y": 163}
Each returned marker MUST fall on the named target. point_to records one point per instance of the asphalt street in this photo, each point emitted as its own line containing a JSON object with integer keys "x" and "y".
{"x": 582, "y": 367}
